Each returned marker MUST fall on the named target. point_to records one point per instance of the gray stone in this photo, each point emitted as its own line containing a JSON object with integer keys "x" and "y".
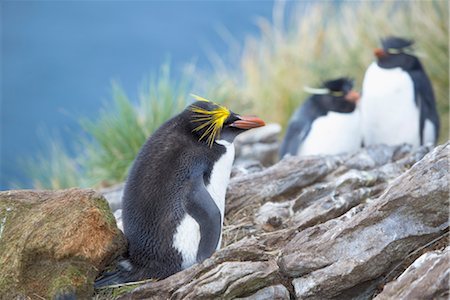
{"x": 274, "y": 292}
{"x": 346, "y": 252}
{"x": 338, "y": 225}
{"x": 426, "y": 278}
{"x": 272, "y": 215}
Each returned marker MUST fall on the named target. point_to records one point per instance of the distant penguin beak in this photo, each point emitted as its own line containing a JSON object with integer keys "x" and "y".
{"x": 352, "y": 96}
{"x": 379, "y": 53}
{"x": 248, "y": 122}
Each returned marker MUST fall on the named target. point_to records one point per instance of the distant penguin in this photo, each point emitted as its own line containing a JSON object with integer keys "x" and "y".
{"x": 397, "y": 104}
{"x": 174, "y": 198}
{"x": 326, "y": 123}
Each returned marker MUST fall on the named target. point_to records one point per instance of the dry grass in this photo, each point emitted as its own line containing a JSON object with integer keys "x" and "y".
{"x": 324, "y": 41}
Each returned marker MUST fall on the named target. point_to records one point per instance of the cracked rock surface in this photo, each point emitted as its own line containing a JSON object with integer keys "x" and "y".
{"x": 329, "y": 227}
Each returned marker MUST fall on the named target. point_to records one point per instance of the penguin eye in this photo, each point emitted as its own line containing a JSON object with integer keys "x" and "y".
{"x": 231, "y": 119}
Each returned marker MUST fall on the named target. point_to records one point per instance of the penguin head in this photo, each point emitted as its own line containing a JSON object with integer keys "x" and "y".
{"x": 396, "y": 53}
{"x": 336, "y": 95}
{"x": 210, "y": 122}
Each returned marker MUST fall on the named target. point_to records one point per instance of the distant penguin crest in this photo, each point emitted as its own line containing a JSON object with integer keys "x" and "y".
{"x": 210, "y": 120}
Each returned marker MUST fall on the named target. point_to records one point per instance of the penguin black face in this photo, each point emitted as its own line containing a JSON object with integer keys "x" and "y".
{"x": 340, "y": 96}
{"x": 210, "y": 121}
{"x": 396, "y": 53}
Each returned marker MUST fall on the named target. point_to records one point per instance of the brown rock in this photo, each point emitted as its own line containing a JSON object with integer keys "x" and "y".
{"x": 53, "y": 242}
{"x": 426, "y": 278}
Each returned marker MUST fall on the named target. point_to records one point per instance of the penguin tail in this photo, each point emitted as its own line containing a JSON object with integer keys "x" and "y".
{"x": 107, "y": 279}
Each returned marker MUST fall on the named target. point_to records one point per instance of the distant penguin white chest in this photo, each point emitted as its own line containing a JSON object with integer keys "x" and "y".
{"x": 187, "y": 236}
{"x": 332, "y": 134}
{"x": 388, "y": 110}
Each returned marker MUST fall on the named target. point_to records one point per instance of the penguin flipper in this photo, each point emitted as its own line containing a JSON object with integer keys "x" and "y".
{"x": 295, "y": 135}
{"x": 201, "y": 206}
{"x": 426, "y": 102}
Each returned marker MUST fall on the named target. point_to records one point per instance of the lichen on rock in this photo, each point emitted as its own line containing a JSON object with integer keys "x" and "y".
{"x": 54, "y": 242}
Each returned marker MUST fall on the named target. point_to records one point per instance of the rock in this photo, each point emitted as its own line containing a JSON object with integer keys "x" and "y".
{"x": 262, "y": 135}
{"x": 426, "y": 278}
{"x": 118, "y": 217}
{"x": 349, "y": 253}
{"x": 236, "y": 271}
{"x": 229, "y": 279}
{"x": 274, "y": 292}
{"x": 272, "y": 215}
{"x": 347, "y": 222}
{"x": 54, "y": 242}
{"x": 246, "y": 167}
{"x": 260, "y": 144}
{"x": 279, "y": 182}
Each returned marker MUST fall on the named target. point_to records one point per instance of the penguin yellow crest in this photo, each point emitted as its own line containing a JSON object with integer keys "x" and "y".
{"x": 211, "y": 120}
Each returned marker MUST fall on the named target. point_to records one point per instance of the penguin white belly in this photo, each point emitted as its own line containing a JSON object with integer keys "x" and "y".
{"x": 186, "y": 240}
{"x": 388, "y": 111}
{"x": 219, "y": 179}
{"x": 332, "y": 134}
{"x": 187, "y": 236}
{"x": 428, "y": 132}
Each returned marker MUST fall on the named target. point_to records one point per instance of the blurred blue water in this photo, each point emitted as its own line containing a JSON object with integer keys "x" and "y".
{"x": 58, "y": 59}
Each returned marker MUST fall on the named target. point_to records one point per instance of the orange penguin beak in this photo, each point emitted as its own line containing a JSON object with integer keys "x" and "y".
{"x": 352, "y": 96}
{"x": 379, "y": 52}
{"x": 248, "y": 122}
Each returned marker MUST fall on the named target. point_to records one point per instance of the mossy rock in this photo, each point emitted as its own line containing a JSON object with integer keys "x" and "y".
{"x": 54, "y": 242}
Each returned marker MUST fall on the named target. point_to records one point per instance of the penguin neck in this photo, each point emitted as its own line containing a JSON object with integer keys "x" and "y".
{"x": 404, "y": 62}
{"x": 224, "y": 143}
{"x": 316, "y": 106}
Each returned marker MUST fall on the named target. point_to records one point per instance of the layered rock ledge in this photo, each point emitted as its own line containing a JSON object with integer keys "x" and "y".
{"x": 336, "y": 227}
{"x": 351, "y": 226}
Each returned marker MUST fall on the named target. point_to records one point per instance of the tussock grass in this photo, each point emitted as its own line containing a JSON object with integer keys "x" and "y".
{"x": 323, "y": 41}
{"x": 119, "y": 133}
{"x": 56, "y": 170}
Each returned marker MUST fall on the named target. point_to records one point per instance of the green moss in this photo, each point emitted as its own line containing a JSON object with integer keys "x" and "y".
{"x": 103, "y": 207}
{"x": 123, "y": 290}
{"x": 69, "y": 279}
{"x": 113, "y": 293}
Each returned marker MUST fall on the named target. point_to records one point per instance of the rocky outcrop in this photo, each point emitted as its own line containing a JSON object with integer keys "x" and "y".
{"x": 258, "y": 145}
{"x": 318, "y": 227}
{"x": 324, "y": 228}
{"x": 53, "y": 243}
